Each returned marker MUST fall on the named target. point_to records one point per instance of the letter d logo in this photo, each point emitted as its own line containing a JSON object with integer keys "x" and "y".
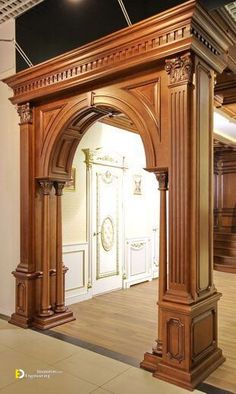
{"x": 19, "y": 373}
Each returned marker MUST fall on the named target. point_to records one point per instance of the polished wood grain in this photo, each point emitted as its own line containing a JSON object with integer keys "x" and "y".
{"x": 159, "y": 73}
{"x": 125, "y": 321}
{"x": 224, "y": 205}
{"x": 225, "y": 376}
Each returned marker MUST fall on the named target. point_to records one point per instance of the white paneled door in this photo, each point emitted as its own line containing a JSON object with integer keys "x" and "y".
{"x": 105, "y": 174}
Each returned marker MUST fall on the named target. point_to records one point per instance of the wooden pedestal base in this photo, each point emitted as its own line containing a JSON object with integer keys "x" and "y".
{"x": 190, "y": 380}
{"x": 189, "y": 336}
{"x": 150, "y": 362}
{"x": 44, "y": 323}
{"x": 20, "y": 321}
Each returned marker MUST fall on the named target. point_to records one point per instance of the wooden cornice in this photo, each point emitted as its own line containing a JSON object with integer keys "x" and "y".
{"x": 225, "y": 93}
{"x": 185, "y": 27}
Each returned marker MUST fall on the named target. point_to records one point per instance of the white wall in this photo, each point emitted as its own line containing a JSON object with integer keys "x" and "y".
{"x": 9, "y": 176}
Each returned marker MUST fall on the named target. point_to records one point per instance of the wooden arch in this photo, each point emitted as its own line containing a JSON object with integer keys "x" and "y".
{"x": 160, "y": 73}
{"x": 72, "y": 121}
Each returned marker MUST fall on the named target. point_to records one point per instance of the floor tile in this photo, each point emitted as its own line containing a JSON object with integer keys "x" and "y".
{"x": 10, "y": 360}
{"x": 92, "y": 367}
{"x": 137, "y": 381}
{"x": 14, "y": 337}
{"x": 59, "y": 384}
{"x": 48, "y": 349}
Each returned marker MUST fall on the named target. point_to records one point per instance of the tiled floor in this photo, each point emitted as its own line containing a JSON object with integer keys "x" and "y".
{"x": 59, "y": 367}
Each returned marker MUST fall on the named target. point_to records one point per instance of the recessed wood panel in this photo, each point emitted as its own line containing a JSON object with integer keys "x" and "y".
{"x": 204, "y": 157}
{"x": 175, "y": 339}
{"x": 203, "y": 333}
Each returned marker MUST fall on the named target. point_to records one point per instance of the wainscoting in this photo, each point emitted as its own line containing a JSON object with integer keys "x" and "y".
{"x": 75, "y": 257}
{"x": 140, "y": 265}
{"x": 138, "y": 261}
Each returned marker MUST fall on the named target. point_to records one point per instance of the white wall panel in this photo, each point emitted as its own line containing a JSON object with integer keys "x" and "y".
{"x": 138, "y": 260}
{"x": 75, "y": 257}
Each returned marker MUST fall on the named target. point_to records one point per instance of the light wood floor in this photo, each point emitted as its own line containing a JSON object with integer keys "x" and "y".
{"x": 125, "y": 322}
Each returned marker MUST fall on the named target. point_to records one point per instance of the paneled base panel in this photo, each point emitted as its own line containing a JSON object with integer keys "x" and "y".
{"x": 190, "y": 380}
{"x": 190, "y": 351}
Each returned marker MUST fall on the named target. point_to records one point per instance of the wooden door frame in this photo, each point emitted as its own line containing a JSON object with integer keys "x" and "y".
{"x": 160, "y": 74}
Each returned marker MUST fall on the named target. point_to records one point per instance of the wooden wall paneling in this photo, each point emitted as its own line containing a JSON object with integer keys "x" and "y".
{"x": 173, "y": 115}
{"x": 224, "y": 208}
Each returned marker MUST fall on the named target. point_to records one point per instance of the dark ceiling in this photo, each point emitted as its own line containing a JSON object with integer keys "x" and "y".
{"x": 54, "y": 27}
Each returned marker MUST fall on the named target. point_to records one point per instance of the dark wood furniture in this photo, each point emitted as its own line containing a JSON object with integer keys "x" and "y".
{"x": 160, "y": 74}
{"x": 224, "y": 205}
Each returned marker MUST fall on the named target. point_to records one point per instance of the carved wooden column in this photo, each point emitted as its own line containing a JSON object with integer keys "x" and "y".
{"x": 188, "y": 304}
{"x": 25, "y": 272}
{"x": 152, "y": 359}
{"x": 46, "y": 187}
{"x": 162, "y": 177}
{"x": 60, "y": 291}
{"x": 50, "y": 229}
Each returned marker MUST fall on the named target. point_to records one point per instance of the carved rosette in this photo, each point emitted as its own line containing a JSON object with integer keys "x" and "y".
{"x": 162, "y": 177}
{"x": 180, "y": 69}
{"x": 25, "y": 112}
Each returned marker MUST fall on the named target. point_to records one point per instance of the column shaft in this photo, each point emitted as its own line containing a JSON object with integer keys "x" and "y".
{"x": 60, "y": 294}
{"x": 46, "y": 187}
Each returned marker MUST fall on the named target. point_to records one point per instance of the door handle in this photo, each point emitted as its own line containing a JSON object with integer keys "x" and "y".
{"x": 95, "y": 234}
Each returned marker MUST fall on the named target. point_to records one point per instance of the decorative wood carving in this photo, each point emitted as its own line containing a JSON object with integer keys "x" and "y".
{"x": 175, "y": 349}
{"x": 21, "y": 297}
{"x": 25, "y": 113}
{"x": 180, "y": 69}
{"x": 146, "y": 41}
{"x": 124, "y": 75}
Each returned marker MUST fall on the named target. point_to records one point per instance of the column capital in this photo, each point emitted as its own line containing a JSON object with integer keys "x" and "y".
{"x": 180, "y": 69}
{"x": 59, "y": 186}
{"x": 25, "y": 112}
{"x": 162, "y": 177}
{"x": 45, "y": 185}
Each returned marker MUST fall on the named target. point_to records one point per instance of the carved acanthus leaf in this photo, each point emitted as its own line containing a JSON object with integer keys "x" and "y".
{"x": 59, "y": 186}
{"x": 46, "y": 186}
{"x": 162, "y": 177}
{"x": 25, "y": 113}
{"x": 180, "y": 69}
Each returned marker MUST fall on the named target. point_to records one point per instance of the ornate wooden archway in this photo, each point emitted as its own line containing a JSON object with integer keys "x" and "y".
{"x": 159, "y": 73}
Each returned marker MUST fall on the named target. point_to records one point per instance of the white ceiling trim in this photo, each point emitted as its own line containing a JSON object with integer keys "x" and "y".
{"x": 13, "y": 8}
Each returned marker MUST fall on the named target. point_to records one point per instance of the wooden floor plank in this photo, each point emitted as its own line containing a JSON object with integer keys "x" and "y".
{"x": 125, "y": 322}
